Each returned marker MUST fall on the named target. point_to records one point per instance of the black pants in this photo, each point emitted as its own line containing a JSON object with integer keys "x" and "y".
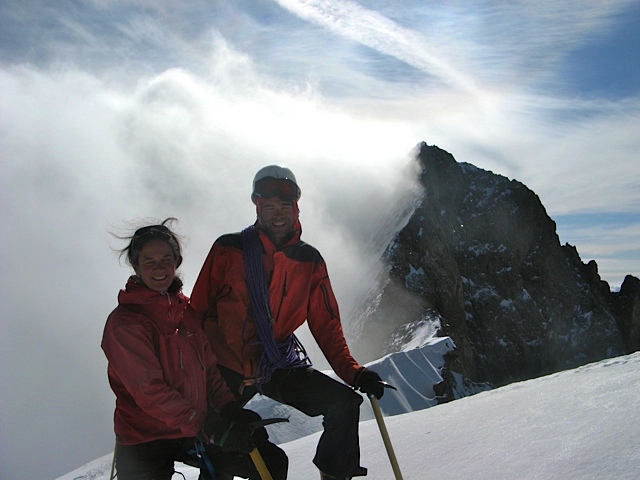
{"x": 315, "y": 394}
{"x": 155, "y": 460}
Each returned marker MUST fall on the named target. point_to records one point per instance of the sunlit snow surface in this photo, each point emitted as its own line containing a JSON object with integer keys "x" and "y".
{"x": 578, "y": 424}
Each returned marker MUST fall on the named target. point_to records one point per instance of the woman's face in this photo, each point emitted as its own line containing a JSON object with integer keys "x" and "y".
{"x": 156, "y": 265}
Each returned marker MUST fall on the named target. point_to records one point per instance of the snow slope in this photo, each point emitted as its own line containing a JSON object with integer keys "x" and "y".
{"x": 578, "y": 424}
{"x": 413, "y": 372}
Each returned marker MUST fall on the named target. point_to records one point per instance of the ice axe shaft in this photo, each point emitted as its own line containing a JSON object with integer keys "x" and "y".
{"x": 255, "y": 454}
{"x": 113, "y": 461}
{"x": 385, "y": 436}
{"x": 260, "y": 465}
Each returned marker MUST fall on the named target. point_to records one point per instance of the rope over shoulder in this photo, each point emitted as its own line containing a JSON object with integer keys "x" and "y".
{"x": 275, "y": 355}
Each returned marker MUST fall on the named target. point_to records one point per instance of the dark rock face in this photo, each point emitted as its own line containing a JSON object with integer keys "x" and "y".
{"x": 481, "y": 256}
{"x": 626, "y": 307}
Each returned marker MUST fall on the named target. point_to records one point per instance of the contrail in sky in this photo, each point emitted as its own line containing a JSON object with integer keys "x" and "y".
{"x": 376, "y": 31}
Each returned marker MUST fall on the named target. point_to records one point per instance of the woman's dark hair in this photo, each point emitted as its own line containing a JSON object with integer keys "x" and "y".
{"x": 144, "y": 235}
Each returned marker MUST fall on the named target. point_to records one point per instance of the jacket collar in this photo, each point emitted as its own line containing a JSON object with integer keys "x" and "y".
{"x": 137, "y": 293}
{"x": 270, "y": 246}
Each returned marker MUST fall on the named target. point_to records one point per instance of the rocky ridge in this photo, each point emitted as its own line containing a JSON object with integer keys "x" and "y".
{"x": 480, "y": 260}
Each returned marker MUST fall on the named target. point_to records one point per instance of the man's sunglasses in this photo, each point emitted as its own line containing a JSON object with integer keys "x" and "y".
{"x": 281, "y": 188}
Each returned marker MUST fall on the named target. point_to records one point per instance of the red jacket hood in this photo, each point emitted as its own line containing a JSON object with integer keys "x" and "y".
{"x": 156, "y": 303}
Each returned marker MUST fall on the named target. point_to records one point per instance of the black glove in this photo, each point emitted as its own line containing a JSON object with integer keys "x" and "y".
{"x": 370, "y": 383}
{"x": 231, "y": 429}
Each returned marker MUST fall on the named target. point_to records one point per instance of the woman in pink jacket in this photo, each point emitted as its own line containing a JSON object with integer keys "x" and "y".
{"x": 170, "y": 397}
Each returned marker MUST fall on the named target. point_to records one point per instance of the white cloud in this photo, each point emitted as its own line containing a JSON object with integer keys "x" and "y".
{"x": 136, "y": 110}
{"x": 86, "y": 156}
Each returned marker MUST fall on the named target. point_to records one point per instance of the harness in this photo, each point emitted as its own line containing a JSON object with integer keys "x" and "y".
{"x": 207, "y": 470}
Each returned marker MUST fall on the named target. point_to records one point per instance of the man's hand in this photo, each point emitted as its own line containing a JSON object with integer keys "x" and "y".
{"x": 370, "y": 383}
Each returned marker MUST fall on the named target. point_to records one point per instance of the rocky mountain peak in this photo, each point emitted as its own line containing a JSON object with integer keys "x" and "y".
{"x": 480, "y": 259}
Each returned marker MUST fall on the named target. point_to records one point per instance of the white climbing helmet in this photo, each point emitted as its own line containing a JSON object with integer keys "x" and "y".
{"x": 275, "y": 181}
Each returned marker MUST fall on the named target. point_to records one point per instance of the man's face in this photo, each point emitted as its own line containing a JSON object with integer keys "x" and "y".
{"x": 277, "y": 219}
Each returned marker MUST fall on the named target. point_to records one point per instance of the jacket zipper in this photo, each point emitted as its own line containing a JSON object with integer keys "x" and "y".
{"x": 327, "y": 303}
{"x": 284, "y": 294}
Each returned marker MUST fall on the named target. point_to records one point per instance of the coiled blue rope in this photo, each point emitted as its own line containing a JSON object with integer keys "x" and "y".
{"x": 275, "y": 355}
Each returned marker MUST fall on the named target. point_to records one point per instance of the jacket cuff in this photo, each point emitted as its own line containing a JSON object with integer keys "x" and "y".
{"x": 357, "y": 376}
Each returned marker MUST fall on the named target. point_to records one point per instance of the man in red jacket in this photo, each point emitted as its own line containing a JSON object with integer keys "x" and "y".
{"x": 254, "y": 290}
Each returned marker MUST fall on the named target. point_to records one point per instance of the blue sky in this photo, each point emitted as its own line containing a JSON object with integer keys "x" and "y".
{"x": 114, "y": 110}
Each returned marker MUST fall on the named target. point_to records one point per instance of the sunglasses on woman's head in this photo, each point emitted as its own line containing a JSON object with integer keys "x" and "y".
{"x": 150, "y": 229}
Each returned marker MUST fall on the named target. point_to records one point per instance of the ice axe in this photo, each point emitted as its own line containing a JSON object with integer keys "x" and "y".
{"x": 385, "y": 434}
{"x": 113, "y": 461}
{"x": 260, "y": 465}
{"x": 255, "y": 454}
